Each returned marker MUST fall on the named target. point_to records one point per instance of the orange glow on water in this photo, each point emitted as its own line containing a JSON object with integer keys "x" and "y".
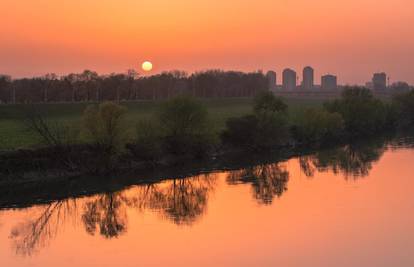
{"x": 323, "y": 221}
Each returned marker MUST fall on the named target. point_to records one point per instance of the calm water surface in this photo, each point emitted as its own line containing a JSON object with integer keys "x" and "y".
{"x": 351, "y": 206}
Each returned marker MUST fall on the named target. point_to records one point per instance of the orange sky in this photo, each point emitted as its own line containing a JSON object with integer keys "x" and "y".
{"x": 351, "y": 38}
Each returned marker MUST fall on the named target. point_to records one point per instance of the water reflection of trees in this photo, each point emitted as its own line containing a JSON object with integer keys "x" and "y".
{"x": 182, "y": 201}
{"x": 36, "y": 232}
{"x": 268, "y": 181}
{"x": 107, "y": 213}
{"x": 353, "y": 161}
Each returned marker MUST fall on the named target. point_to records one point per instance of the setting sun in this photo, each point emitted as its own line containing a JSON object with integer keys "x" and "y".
{"x": 147, "y": 66}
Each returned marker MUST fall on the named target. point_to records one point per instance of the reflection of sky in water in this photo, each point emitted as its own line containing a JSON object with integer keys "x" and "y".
{"x": 305, "y": 211}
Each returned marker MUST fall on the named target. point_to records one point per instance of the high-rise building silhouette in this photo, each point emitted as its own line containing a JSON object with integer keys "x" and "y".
{"x": 379, "y": 81}
{"x": 308, "y": 78}
{"x": 329, "y": 82}
{"x": 271, "y": 79}
{"x": 289, "y": 79}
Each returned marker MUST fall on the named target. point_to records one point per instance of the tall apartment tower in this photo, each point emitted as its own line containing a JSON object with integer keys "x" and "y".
{"x": 379, "y": 81}
{"x": 308, "y": 78}
{"x": 329, "y": 82}
{"x": 271, "y": 80}
{"x": 289, "y": 79}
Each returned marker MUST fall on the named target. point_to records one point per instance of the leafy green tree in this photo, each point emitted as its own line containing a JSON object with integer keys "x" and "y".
{"x": 183, "y": 115}
{"x": 148, "y": 143}
{"x": 267, "y": 103}
{"x": 317, "y": 126}
{"x": 265, "y": 129}
{"x": 362, "y": 113}
{"x": 404, "y": 105}
{"x": 185, "y": 126}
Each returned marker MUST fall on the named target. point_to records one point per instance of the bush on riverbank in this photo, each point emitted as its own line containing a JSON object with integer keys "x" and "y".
{"x": 185, "y": 127}
{"x": 180, "y": 128}
{"x": 105, "y": 126}
{"x": 317, "y": 126}
{"x": 363, "y": 114}
{"x": 265, "y": 129}
{"x": 404, "y": 105}
{"x": 148, "y": 143}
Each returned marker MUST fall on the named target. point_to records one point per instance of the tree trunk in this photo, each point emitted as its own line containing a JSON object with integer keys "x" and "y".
{"x": 45, "y": 95}
{"x": 97, "y": 94}
{"x": 13, "y": 95}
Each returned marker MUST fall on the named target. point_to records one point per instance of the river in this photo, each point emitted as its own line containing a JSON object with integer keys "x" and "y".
{"x": 349, "y": 206}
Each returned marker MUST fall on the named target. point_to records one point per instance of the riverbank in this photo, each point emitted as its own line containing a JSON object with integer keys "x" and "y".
{"x": 49, "y": 185}
{"x": 354, "y": 159}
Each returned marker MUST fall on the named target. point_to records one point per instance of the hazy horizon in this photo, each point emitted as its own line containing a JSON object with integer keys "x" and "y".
{"x": 351, "y": 39}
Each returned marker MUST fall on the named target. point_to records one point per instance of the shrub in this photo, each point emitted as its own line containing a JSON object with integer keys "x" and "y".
{"x": 51, "y": 133}
{"x": 317, "y": 126}
{"x": 241, "y": 131}
{"x": 263, "y": 130}
{"x": 254, "y": 133}
{"x": 362, "y": 113}
{"x": 105, "y": 124}
{"x": 404, "y": 107}
{"x": 267, "y": 103}
{"x": 185, "y": 127}
{"x": 272, "y": 130}
{"x": 183, "y": 115}
{"x": 148, "y": 145}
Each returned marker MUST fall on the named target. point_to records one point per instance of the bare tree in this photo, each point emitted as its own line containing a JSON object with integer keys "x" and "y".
{"x": 51, "y": 132}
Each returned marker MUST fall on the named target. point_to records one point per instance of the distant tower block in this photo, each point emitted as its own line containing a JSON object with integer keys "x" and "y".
{"x": 271, "y": 79}
{"x": 308, "y": 78}
{"x": 289, "y": 79}
{"x": 329, "y": 82}
{"x": 379, "y": 81}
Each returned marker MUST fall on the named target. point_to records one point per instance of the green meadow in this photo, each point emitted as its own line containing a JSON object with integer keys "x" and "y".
{"x": 14, "y": 132}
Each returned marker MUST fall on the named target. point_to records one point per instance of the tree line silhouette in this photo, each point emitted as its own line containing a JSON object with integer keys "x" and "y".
{"x": 89, "y": 86}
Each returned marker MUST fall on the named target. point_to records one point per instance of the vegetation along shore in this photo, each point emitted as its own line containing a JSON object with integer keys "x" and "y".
{"x": 182, "y": 131}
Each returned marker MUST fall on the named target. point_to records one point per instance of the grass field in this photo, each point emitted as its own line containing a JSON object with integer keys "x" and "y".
{"x": 14, "y": 133}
